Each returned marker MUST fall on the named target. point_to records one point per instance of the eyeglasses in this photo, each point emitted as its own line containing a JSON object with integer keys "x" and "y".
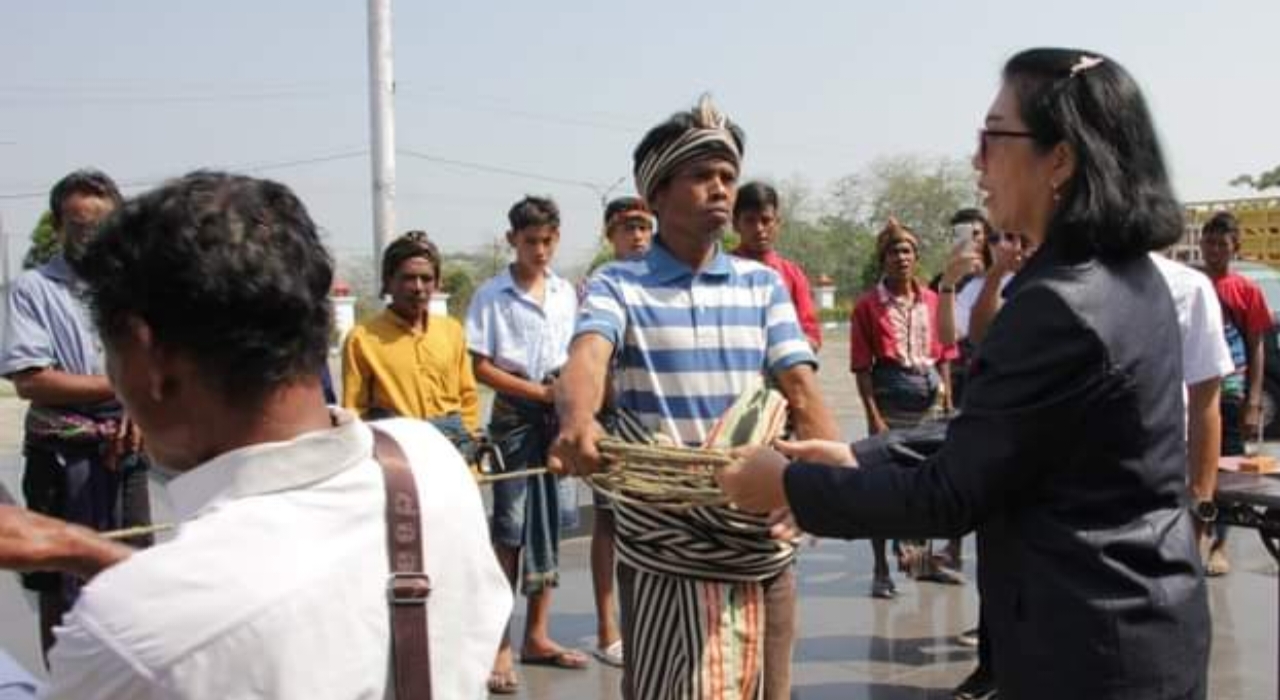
{"x": 985, "y": 135}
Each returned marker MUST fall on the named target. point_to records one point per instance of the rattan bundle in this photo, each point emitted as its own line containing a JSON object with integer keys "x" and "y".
{"x": 680, "y": 478}
{"x": 672, "y": 478}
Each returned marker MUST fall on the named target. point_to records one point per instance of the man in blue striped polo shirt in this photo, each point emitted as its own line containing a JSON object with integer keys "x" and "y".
{"x": 708, "y": 598}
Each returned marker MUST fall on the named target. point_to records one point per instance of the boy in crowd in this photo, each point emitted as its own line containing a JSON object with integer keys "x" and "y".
{"x": 757, "y": 217}
{"x": 1245, "y": 322}
{"x": 518, "y": 331}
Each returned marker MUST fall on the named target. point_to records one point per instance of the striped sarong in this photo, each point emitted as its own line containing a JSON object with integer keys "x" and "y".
{"x": 695, "y": 586}
{"x": 696, "y": 624}
{"x": 693, "y": 639}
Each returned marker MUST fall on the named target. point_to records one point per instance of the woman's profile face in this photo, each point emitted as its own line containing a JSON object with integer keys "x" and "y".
{"x": 1015, "y": 175}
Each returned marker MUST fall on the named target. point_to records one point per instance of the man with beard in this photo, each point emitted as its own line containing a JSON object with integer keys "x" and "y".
{"x": 83, "y": 461}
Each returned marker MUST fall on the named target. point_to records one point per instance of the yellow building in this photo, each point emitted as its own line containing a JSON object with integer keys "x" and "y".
{"x": 1259, "y": 219}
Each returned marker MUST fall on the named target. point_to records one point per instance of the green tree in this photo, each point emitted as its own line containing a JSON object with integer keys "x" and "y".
{"x": 44, "y": 243}
{"x": 922, "y": 193}
{"x": 1264, "y": 181}
{"x": 460, "y": 285}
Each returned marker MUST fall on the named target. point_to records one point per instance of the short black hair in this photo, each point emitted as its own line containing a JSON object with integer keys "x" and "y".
{"x": 755, "y": 196}
{"x": 970, "y": 215}
{"x": 225, "y": 268}
{"x": 1119, "y": 202}
{"x": 85, "y": 182}
{"x": 412, "y": 244}
{"x": 1222, "y": 223}
{"x": 533, "y": 211}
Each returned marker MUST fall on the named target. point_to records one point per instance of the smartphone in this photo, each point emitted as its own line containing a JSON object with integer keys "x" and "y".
{"x": 963, "y": 233}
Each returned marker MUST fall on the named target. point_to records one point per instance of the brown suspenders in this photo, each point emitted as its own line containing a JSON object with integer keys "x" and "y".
{"x": 408, "y": 585}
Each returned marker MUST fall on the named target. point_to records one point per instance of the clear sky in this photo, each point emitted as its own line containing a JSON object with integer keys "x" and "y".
{"x": 147, "y": 89}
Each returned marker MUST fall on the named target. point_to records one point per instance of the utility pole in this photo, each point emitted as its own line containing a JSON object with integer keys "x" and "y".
{"x": 382, "y": 125}
{"x": 605, "y": 191}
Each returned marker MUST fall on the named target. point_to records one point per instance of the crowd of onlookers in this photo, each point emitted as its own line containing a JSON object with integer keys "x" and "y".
{"x": 194, "y": 320}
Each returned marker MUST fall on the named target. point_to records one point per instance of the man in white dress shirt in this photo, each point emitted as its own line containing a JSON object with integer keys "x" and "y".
{"x": 1206, "y": 359}
{"x": 210, "y": 294}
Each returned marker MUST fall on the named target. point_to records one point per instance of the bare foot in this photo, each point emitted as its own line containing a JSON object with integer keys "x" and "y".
{"x": 503, "y": 679}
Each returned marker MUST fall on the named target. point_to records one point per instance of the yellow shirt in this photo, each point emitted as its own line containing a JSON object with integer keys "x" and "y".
{"x": 388, "y": 364}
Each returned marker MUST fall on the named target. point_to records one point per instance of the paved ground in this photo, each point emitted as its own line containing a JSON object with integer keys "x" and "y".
{"x": 850, "y": 647}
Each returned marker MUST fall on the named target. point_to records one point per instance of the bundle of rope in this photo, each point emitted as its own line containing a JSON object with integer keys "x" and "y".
{"x": 681, "y": 478}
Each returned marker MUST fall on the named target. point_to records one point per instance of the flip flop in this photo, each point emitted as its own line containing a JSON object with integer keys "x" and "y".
{"x": 610, "y": 655}
{"x": 564, "y": 658}
{"x": 504, "y": 682}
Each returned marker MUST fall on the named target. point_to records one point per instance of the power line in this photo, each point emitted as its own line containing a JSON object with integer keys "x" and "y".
{"x": 254, "y": 167}
{"x": 497, "y": 170}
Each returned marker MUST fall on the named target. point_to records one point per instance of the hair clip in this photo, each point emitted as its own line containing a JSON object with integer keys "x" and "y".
{"x": 1085, "y": 63}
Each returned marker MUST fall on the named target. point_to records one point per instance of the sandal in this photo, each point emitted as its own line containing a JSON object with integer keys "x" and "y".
{"x": 563, "y": 658}
{"x": 610, "y": 655}
{"x": 504, "y": 682}
{"x": 882, "y": 587}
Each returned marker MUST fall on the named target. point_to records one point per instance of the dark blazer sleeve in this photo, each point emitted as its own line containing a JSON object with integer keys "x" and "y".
{"x": 1033, "y": 379}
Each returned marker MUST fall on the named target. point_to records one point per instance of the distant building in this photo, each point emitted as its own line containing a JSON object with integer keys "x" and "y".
{"x": 1259, "y": 219}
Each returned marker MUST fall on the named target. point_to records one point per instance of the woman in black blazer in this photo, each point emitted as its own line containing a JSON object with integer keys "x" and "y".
{"x": 1068, "y": 457}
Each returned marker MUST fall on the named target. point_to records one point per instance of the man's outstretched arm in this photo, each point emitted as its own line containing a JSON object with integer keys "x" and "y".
{"x": 33, "y": 542}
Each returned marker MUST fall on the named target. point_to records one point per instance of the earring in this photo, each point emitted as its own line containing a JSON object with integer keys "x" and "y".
{"x": 1056, "y": 196}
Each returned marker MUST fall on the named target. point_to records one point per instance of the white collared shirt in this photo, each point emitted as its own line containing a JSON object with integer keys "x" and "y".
{"x": 519, "y": 335}
{"x": 1205, "y": 354}
{"x": 275, "y": 584}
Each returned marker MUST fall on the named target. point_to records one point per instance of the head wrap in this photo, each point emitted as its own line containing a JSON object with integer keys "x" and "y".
{"x": 709, "y": 135}
{"x": 412, "y": 244}
{"x": 624, "y": 208}
{"x": 891, "y": 234}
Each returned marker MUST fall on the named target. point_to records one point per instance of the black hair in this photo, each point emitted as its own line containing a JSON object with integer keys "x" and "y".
{"x": 1222, "y": 223}
{"x": 1118, "y": 202}
{"x": 225, "y": 268}
{"x": 673, "y": 128}
{"x": 84, "y": 182}
{"x": 755, "y": 196}
{"x": 412, "y": 244}
{"x": 533, "y": 211}
{"x": 971, "y": 215}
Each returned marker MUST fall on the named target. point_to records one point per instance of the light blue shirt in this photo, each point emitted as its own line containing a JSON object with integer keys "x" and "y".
{"x": 688, "y": 343}
{"x": 15, "y": 682}
{"x": 516, "y": 333}
{"x": 47, "y": 324}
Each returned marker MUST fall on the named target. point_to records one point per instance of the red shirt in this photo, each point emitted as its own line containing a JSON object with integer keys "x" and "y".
{"x": 901, "y": 330}
{"x": 797, "y": 283}
{"x": 1243, "y": 304}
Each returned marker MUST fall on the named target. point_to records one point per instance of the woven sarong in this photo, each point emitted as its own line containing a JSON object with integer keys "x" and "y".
{"x": 697, "y": 602}
{"x": 692, "y": 639}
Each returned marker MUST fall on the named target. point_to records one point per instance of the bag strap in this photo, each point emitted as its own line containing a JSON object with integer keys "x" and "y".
{"x": 408, "y": 586}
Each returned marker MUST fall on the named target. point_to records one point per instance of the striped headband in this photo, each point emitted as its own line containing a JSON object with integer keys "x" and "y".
{"x": 711, "y": 137}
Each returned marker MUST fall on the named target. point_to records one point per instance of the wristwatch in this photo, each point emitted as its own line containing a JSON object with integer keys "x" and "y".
{"x": 1206, "y": 511}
